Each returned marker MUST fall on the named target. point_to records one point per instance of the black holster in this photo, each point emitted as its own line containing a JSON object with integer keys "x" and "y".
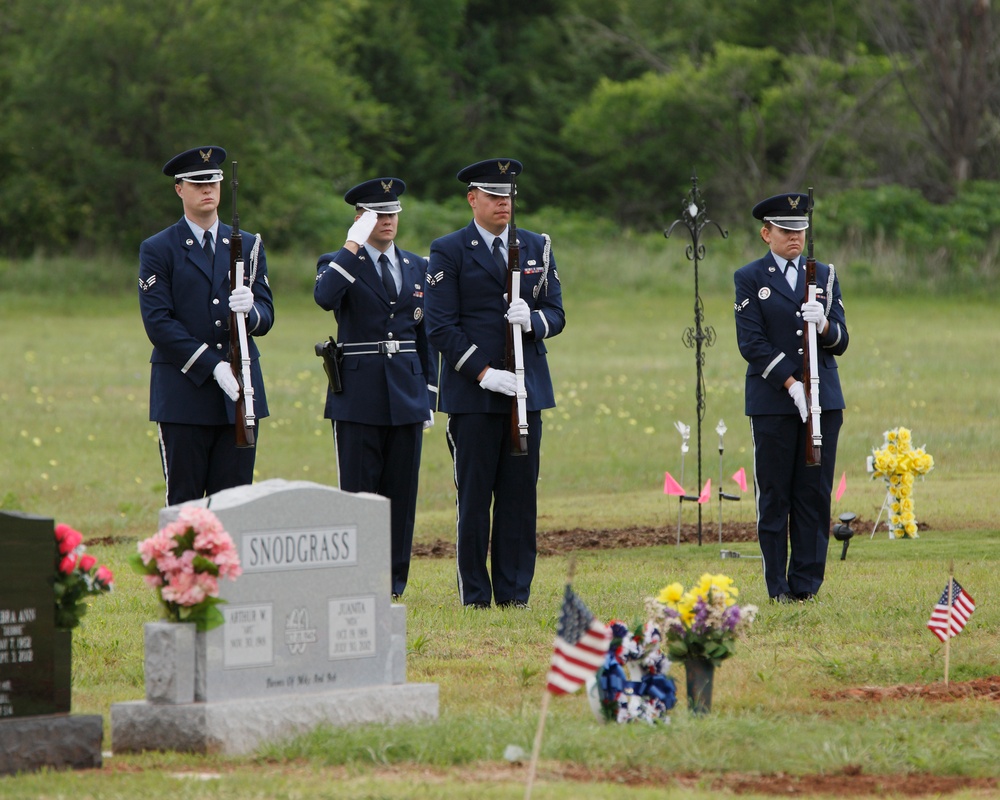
{"x": 332, "y": 354}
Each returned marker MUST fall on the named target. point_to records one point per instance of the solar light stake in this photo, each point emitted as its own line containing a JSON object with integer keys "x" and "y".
{"x": 842, "y": 532}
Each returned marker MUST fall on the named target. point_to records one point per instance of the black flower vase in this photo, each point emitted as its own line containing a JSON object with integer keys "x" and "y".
{"x": 699, "y": 673}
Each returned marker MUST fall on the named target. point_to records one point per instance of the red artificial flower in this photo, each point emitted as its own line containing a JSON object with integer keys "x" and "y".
{"x": 104, "y": 575}
{"x": 70, "y": 540}
{"x": 87, "y": 562}
{"x": 68, "y": 564}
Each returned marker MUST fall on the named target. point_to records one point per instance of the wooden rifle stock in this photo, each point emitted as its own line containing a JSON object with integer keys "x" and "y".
{"x": 514, "y": 354}
{"x": 810, "y": 358}
{"x": 239, "y": 347}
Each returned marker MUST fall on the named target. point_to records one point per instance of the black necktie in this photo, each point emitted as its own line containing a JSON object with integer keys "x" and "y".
{"x": 498, "y": 257}
{"x": 387, "y": 281}
{"x": 207, "y": 245}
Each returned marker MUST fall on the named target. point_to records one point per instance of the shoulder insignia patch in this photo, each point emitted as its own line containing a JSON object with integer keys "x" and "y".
{"x": 434, "y": 280}
{"x": 147, "y": 284}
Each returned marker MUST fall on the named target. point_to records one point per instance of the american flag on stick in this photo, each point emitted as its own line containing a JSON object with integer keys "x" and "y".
{"x": 946, "y": 621}
{"x": 582, "y": 642}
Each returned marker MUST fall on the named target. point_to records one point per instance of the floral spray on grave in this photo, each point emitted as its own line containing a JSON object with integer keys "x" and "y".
{"x": 898, "y": 463}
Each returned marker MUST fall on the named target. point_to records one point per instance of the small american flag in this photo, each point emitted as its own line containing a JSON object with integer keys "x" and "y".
{"x": 962, "y": 606}
{"x": 582, "y": 642}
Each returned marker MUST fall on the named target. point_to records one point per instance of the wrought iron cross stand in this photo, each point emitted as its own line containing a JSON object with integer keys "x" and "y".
{"x": 698, "y": 337}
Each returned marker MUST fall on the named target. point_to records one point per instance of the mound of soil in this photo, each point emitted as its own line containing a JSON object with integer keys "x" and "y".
{"x": 561, "y": 542}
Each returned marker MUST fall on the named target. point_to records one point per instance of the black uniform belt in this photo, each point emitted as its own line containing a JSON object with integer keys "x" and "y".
{"x": 378, "y": 348}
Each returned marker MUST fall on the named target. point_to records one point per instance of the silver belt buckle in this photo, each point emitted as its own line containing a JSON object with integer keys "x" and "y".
{"x": 390, "y": 347}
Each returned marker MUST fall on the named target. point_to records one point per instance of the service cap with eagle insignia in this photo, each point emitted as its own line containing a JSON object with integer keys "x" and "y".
{"x": 380, "y": 195}
{"x": 788, "y": 211}
{"x": 197, "y": 165}
{"x": 493, "y": 176}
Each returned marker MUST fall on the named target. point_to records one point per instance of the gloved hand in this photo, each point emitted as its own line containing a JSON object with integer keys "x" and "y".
{"x": 241, "y": 300}
{"x": 519, "y": 314}
{"x": 223, "y": 375}
{"x": 812, "y": 311}
{"x": 429, "y": 422}
{"x": 498, "y": 380}
{"x": 362, "y": 228}
{"x": 798, "y": 393}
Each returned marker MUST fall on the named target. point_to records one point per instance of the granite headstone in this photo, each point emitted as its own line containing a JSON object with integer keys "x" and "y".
{"x": 310, "y": 633}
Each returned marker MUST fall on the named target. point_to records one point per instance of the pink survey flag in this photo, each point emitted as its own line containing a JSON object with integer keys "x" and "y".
{"x": 740, "y": 476}
{"x": 706, "y": 493}
{"x": 842, "y": 486}
{"x": 670, "y": 486}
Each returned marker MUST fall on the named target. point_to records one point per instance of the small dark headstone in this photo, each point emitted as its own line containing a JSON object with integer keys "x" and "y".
{"x": 27, "y": 620}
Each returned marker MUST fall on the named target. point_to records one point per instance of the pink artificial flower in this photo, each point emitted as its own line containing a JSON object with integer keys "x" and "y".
{"x": 61, "y": 530}
{"x": 87, "y": 563}
{"x": 68, "y": 564}
{"x": 105, "y": 576}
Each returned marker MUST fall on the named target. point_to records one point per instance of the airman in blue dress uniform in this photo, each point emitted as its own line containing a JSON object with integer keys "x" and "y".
{"x": 185, "y": 302}
{"x": 467, "y": 317}
{"x": 376, "y": 292}
{"x": 792, "y": 500}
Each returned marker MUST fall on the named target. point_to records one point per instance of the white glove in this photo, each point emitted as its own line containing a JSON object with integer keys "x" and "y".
{"x": 241, "y": 300}
{"x": 812, "y": 311}
{"x": 501, "y": 381}
{"x": 223, "y": 375}
{"x": 362, "y": 228}
{"x": 519, "y": 314}
{"x": 798, "y": 393}
{"x": 429, "y": 422}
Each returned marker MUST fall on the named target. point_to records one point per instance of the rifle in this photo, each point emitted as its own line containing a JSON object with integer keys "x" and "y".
{"x": 239, "y": 348}
{"x": 810, "y": 358}
{"x": 514, "y": 355}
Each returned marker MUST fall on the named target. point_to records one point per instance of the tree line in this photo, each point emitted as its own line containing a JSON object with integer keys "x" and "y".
{"x": 612, "y": 105}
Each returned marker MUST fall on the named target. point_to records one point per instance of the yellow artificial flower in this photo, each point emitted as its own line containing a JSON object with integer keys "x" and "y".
{"x": 671, "y": 594}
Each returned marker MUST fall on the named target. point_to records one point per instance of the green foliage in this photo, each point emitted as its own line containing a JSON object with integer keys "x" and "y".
{"x": 610, "y": 105}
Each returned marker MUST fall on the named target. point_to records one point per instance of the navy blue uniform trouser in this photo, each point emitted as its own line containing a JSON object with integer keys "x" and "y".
{"x": 485, "y": 473}
{"x": 793, "y": 500}
{"x": 384, "y": 460}
{"x": 200, "y": 460}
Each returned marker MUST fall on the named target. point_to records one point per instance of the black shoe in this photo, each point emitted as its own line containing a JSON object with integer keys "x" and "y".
{"x": 784, "y": 598}
{"x": 805, "y": 597}
{"x": 514, "y": 604}
{"x": 476, "y": 605}
{"x": 396, "y": 597}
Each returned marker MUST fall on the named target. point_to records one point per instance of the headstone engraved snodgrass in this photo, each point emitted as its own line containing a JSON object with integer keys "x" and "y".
{"x": 309, "y": 633}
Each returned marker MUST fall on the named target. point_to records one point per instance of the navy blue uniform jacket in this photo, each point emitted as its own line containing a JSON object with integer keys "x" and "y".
{"x": 184, "y": 302}
{"x": 770, "y": 333}
{"x": 378, "y": 389}
{"x": 465, "y": 319}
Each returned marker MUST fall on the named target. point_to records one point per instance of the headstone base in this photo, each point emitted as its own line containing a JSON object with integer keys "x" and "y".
{"x": 58, "y": 741}
{"x": 237, "y": 727}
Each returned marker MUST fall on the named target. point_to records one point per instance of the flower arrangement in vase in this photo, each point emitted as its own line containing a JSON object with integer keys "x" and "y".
{"x": 701, "y": 626}
{"x": 184, "y": 562}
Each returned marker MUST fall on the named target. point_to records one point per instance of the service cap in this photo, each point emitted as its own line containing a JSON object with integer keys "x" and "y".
{"x": 198, "y": 165}
{"x": 380, "y": 195}
{"x": 788, "y": 211}
{"x": 494, "y": 175}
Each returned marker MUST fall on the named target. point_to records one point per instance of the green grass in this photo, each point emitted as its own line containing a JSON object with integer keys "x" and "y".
{"x": 76, "y": 445}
